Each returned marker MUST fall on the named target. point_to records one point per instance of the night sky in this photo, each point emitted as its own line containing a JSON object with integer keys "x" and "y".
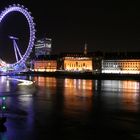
{"x": 103, "y": 25}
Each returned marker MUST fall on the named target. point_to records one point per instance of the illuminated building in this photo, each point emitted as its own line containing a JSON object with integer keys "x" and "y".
{"x": 121, "y": 62}
{"x": 43, "y": 47}
{"x": 45, "y": 64}
{"x": 126, "y": 66}
{"x": 77, "y": 62}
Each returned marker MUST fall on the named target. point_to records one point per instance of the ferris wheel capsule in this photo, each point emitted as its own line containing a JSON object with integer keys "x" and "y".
{"x": 22, "y": 6}
{"x": 18, "y": 5}
{"x": 29, "y": 12}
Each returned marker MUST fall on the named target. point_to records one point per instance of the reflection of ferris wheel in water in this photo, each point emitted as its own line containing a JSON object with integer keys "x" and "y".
{"x": 20, "y": 61}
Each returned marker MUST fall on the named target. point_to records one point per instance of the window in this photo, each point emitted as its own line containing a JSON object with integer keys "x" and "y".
{"x": 83, "y": 64}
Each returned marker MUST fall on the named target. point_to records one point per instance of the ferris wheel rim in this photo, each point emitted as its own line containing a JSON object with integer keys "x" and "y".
{"x": 27, "y": 14}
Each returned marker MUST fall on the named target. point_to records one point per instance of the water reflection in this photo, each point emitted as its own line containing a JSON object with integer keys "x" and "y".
{"x": 123, "y": 86}
{"x": 46, "y": 81}
{"x": 77, "y": 96}
{"x": 124, "y": 94}
{"x": 71, "y": 95}
{"x": 5, "y": 84}
{"x": 78, "y": 84}
{"x": 19, "y": 109}
{"x": 66, "y": 107}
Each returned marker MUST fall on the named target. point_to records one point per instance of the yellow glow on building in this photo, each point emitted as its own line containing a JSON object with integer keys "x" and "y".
{"x": 45, "y": 65}
{"x": 131, "y": 66}
{"x": 78, "y": 64}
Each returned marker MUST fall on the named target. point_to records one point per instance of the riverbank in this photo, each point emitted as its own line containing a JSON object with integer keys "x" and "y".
{"x": 83, "y": 75}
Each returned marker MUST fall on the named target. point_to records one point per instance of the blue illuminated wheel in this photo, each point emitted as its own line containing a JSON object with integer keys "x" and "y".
{"x": 21, "y": 9}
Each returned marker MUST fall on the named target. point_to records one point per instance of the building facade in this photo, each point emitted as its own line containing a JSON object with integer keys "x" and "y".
{"x": 45, "y": 64}
{"x": 122, "y": 66}
{"x": 77, "y": 62}
{"x": 43, "y": 47}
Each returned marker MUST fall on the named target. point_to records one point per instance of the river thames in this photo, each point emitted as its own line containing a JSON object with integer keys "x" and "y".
{"x": 70, "y": 109}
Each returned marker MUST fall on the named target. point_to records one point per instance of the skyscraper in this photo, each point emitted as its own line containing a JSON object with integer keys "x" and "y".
{"x": 43, "y": 47}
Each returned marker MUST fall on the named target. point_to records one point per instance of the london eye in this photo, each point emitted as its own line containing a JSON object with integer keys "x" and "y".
{"x": 20, "y": 60}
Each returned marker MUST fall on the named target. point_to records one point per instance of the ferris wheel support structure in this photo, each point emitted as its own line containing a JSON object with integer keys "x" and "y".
{"x": 16, "y": 49}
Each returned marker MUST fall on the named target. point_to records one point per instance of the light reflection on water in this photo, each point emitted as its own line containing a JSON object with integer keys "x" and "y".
{"x": 122, "y": 94}
{"x": 57, "y": 105}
